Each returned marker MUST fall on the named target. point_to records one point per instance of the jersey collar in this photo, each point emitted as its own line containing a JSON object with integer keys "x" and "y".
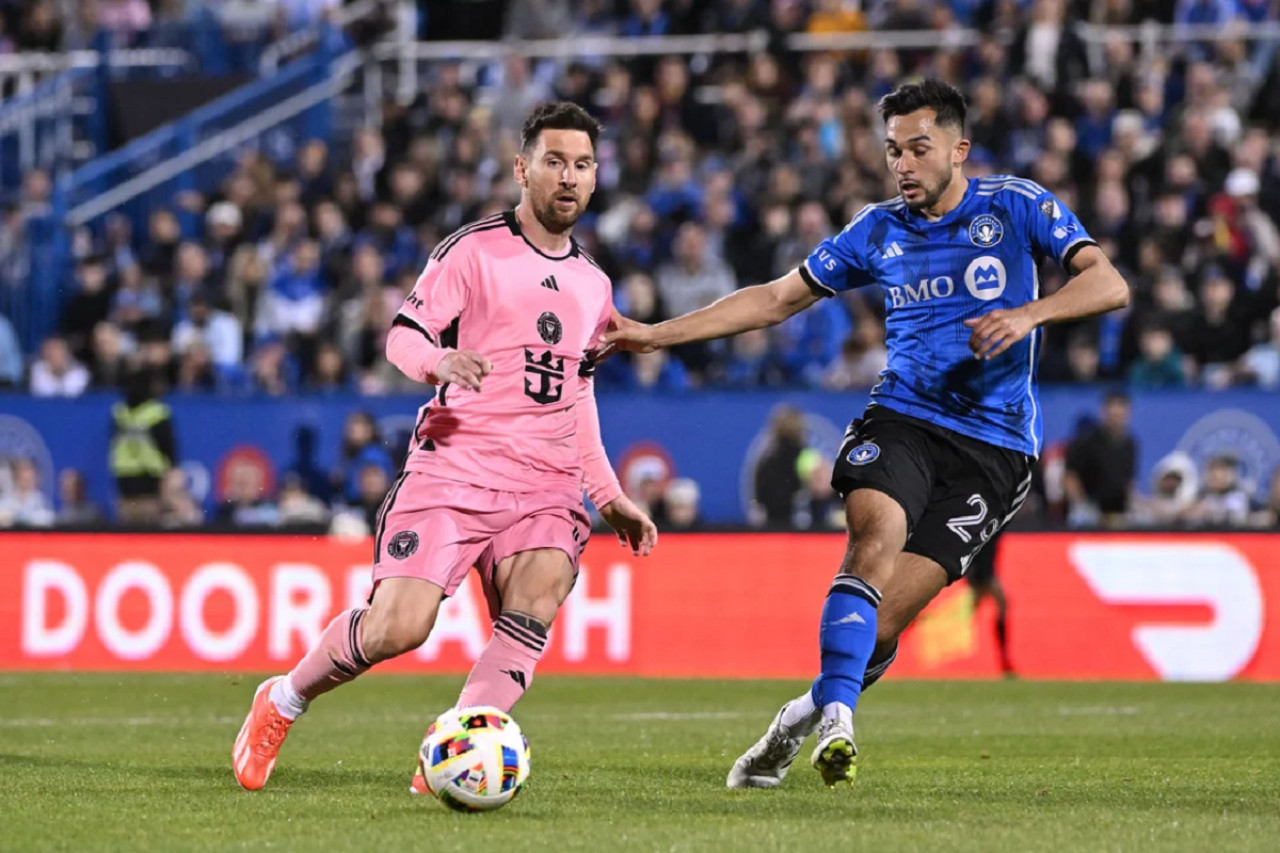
{"x": 514, "y": 225}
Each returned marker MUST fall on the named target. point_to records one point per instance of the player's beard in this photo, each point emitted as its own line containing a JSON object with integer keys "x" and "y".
{"x": 931, "y": 195}
{"x": 552, "y": 218}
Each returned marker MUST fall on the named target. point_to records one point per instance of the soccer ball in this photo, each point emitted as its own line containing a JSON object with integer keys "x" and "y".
{"x": 474, "y": 759}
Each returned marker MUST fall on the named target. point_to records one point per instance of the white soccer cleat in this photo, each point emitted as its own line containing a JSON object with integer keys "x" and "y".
{"x": 835, "y": 756}
{"x": 766, "y": 763}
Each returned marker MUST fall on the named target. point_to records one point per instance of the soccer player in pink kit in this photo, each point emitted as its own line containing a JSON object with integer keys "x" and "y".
{"x": 502, "y": 320}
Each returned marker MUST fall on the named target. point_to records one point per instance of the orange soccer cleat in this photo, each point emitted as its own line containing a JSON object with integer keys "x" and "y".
{"x": 258, "y": 744}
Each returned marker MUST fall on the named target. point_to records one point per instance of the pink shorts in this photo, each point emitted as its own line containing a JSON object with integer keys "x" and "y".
{"x": 437, "y": 529}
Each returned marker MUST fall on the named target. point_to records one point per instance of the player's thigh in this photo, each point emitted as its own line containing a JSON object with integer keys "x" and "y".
{"x": 435, "y": 530}
{"x": 531, "y": 566}
{"x": 916, "y": 581}
{"x": 887, "y": 453}
{"x": 401, "y": 614}
{"x": 534, "y": 582}
{"x": 877, "y": 534}
{"x": 986, "y": 487}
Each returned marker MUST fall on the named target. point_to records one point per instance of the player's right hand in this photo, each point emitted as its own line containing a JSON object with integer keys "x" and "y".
{"x": 464, "y": 367}
{"x": 625, "y": 334}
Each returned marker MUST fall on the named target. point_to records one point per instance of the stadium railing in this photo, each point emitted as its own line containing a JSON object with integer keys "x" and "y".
{"x": 56, "y": 117}
{"x": 193, "y": 153}
{"x": 405, "y": 53}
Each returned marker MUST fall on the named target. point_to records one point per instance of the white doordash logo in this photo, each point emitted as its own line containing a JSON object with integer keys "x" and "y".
{"x": 985, "y": 277}
{"x": 1217, "y": 576}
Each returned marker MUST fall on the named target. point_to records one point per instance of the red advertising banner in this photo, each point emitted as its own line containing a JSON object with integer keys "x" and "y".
{"x": 1082, "y": 606}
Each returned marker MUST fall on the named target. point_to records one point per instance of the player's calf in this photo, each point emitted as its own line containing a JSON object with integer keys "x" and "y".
{"x": 504, "y": 670}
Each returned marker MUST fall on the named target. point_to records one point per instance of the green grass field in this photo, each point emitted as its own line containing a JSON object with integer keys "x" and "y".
{"x": 142, "y": 763}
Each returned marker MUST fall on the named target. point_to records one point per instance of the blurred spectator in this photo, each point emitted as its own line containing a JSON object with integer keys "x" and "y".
{"x": 108, "y": 357}
{"x": 694, "y": 279}
{"x": 752, "y": 364}
{"x": 270, "y": 372}
{"x": 89, "y": 307}
{"x": 142, "y": 447}
{"x": 295, "y": 301}
{"x": 296, "y": 506}
{"x": 56, "y": 373}
{"x": 1174, "y": 488}
{"x": 1160, "y": 364}
{"x": 777, "y": 479}
{"x": 218, "y": 332}
{"x": 862, "y": 357}
{"x": 679, "y": 508}
{"x": 24, "y": 504}
{"x": 818, "y": 507}
{"x": 1268, "y": 515}
{"x": 1222, "y": 501}
{"x": 74, "y": 505}
{"x": 1100, "y": 467}
{"x": 1261, "y": 364}
{"x": 40, "y": 30}
{"x": 245, "y": 503}
{"x": 178, "y": 509}
{"x": 1217, "y": 337}
{"x": 361, "y": 447}
{"x": 656, "y": 371}
{"x": 11, "y": 361}
{"x": 330, "y": 373}
{"x": 372, "y": 483}
{"x": 196, "y": 369}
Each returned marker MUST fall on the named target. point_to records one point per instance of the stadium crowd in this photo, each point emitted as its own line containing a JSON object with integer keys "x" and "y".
{"x": 716, "y": 172}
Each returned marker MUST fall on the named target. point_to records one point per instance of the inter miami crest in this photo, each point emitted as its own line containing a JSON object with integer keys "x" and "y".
{"x": 985, "y": 230}
{"x": 403, "y": 544}
{"x": 549, "y": 328}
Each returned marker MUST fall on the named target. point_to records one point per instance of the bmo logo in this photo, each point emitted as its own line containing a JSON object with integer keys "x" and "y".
{"x": 928, "y": 288}
{"x": 985, "y": 278}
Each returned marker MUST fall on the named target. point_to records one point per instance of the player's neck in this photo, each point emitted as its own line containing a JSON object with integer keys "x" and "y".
{"x": 949, "y": 201}
{"x": 537, "y": 234}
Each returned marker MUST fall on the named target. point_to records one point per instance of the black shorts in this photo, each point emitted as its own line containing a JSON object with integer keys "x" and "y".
{"x": 957, "y": 491}
{"x": 982, "y": 568}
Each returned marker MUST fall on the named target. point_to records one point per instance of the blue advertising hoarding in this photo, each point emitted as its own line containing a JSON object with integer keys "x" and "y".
{"x": 712, "y": 437}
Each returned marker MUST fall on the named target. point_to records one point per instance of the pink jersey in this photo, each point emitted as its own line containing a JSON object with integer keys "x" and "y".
{"x": 486, "y": 288}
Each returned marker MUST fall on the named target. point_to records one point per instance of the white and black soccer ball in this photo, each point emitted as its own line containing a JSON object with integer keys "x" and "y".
{"x": 474, "y": 759}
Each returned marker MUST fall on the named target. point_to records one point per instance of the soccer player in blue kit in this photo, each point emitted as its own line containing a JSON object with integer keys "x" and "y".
{"x": 941, "y": 458}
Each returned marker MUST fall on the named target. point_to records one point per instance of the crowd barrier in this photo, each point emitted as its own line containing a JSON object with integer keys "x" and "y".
{"x": 1202, "y": 607}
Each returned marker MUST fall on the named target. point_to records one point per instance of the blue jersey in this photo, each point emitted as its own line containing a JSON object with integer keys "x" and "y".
{"x": 981, "y": 256}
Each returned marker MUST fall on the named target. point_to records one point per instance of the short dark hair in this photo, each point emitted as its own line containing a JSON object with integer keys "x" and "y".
{"x": 557, "y": 115}
{"x": 944, "y": 99}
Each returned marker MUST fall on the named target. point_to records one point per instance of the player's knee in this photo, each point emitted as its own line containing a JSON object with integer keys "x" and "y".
{"x": 390, "y": 634}
{"x": 871, "y": 557}
{"x": 540, "y": 604}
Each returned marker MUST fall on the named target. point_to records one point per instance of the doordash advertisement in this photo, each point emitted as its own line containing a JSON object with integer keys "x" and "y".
{"x": 1152, "y": 606}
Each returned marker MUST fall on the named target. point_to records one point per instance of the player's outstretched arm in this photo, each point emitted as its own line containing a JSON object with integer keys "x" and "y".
{"x": 746, "y": 309}
{"x": 1096, "y": 287}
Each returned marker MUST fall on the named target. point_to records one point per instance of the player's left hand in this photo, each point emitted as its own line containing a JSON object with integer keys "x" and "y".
{"x": 995, "y": 332}
{"x": 635, "y": 529}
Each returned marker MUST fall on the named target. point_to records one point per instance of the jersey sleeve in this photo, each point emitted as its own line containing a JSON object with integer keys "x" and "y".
{"x": 599, "y": 480}
{"x": 1054, "y": 230}
{"x": 438, "y": 298}
{"x": 839, "y": 263}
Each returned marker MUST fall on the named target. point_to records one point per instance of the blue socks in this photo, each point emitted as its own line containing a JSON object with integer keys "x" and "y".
{"x": 847, "y": 638}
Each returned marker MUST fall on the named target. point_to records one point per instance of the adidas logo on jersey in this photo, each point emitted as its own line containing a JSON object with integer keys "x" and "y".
{"x": 894, "y": 251}
{"x": 550, "y": 283}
